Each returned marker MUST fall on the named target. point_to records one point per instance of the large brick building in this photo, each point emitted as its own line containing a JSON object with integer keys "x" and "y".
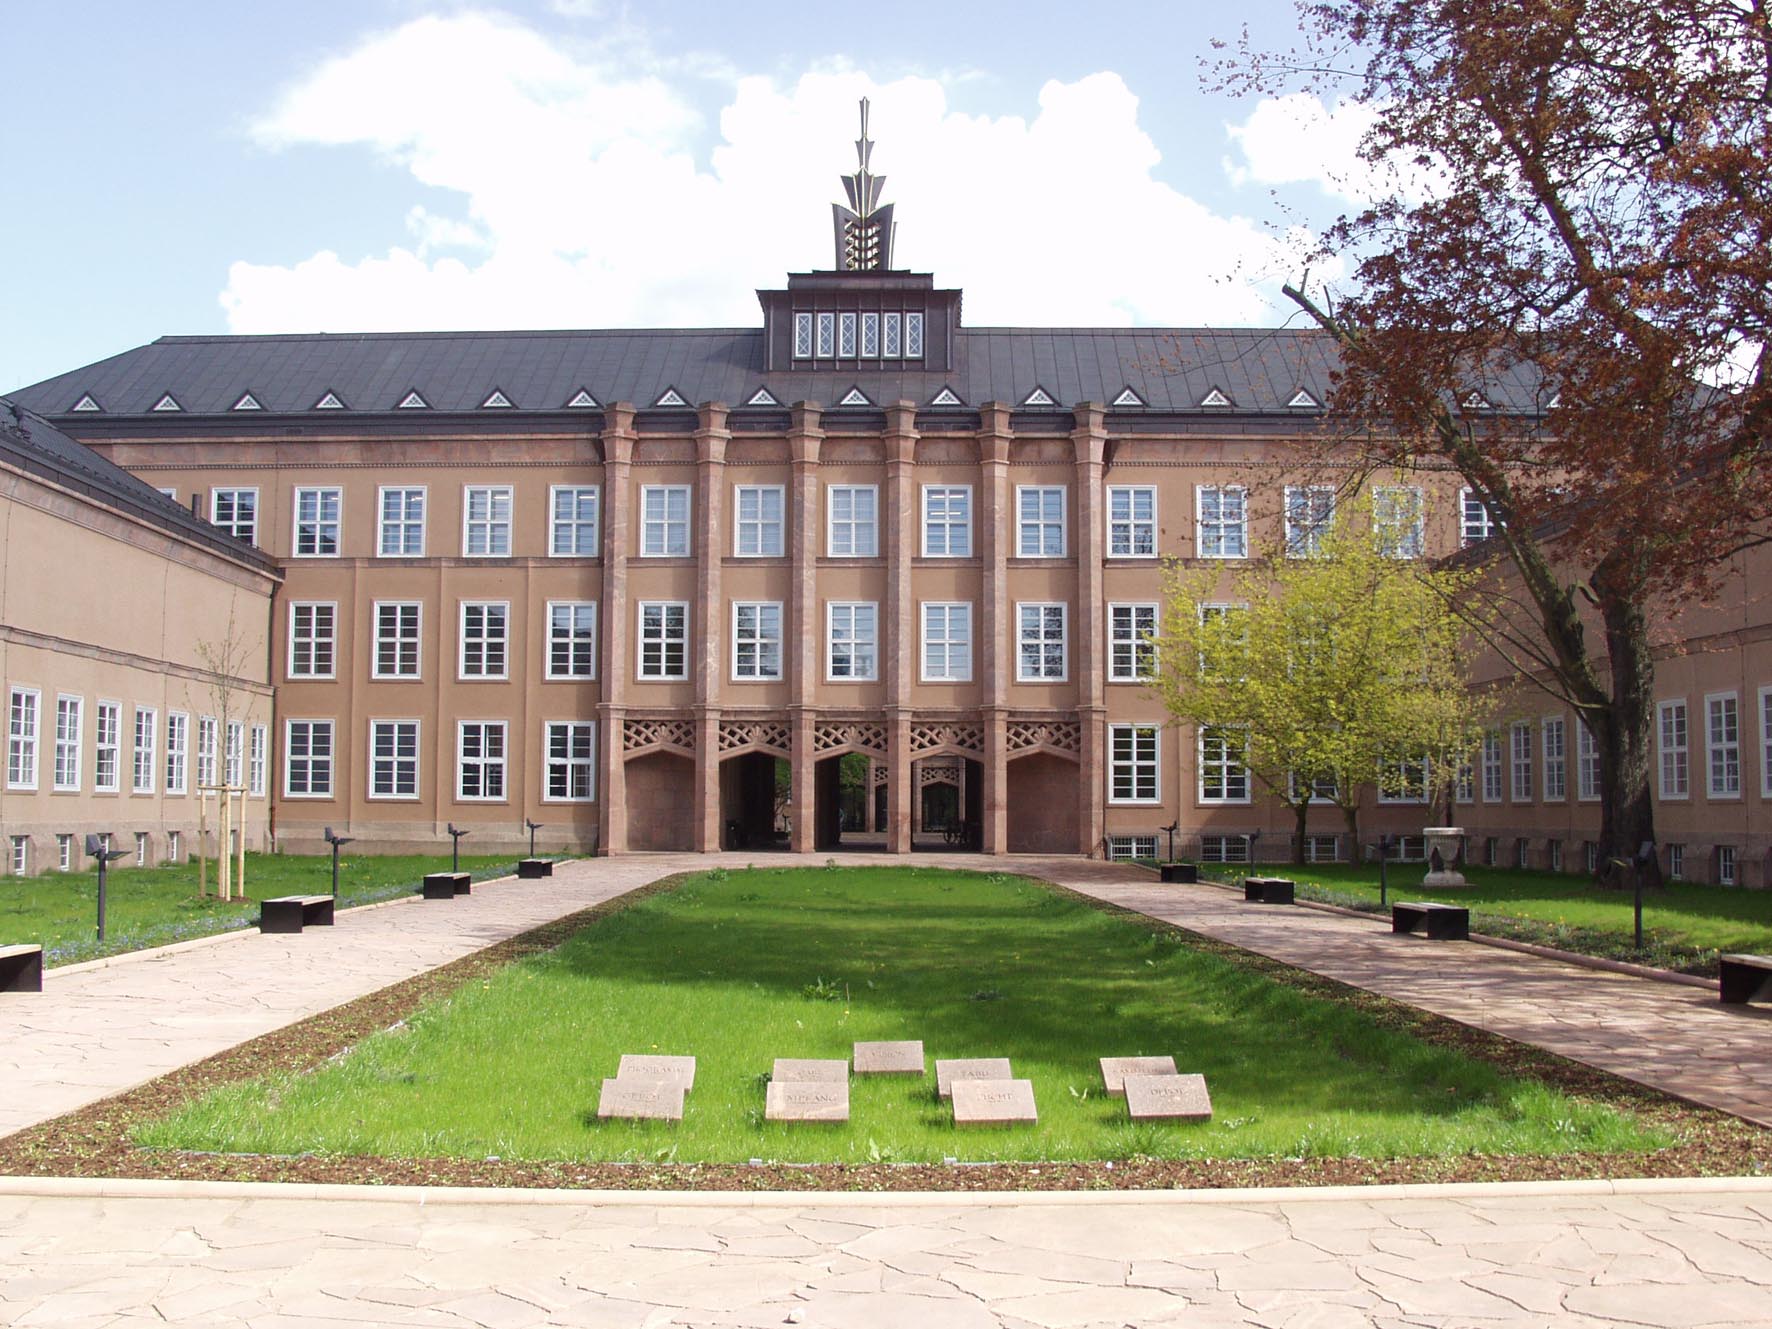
{"x": 628, "y": 584}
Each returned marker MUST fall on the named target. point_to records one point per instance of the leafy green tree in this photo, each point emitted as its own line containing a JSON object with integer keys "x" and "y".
{"x": 1333, "y": 669}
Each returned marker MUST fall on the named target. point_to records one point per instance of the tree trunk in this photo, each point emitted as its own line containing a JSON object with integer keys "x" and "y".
{"x": 1626, "y": 740}
{"x": 1351, "y": 812}
{"x": 1300, "y": 811}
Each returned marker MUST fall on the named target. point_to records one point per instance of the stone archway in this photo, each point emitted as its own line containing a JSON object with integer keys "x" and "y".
{"x": 1040, "y": 792}
{"x": 662, "y": 801}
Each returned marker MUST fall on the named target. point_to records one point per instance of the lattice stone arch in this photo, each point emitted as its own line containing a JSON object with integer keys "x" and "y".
{"x": 938, "y": 771}
{"x": 957, "y": 738}
{"x": 832, "y": 738}
{"x": 772, "y": 736}
{"x": 640, "y": 734}
{"x": 1062, "y": 738}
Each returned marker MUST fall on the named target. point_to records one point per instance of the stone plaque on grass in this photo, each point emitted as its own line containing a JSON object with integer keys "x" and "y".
{"x": 902, "y": 1058}
{"x": 679, "y": 1070}
{"x": 1167, "y": 1098}
{"x": 969, "y": 1068}
{"x": 993, "y": 1102}
{"x": 794, "y": 1070}
{"x": 644, "y": 1100}
{"x": 807, "y": 1100}
{"x": 1114, "y": 1070}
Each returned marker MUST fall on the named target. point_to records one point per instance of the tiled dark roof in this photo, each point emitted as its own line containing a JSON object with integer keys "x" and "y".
{"x": 32, "y": 444}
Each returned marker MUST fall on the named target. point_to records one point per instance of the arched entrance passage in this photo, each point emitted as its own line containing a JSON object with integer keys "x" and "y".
{"x": 1041, "y": 796}
{"x": 947, "y": 805}
{"x": 662, "y": 801}
{"x": 842, "y": 799}
{"x": 753, "y": 800}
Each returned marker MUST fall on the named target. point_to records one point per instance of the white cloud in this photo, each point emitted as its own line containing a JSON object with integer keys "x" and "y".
{"x": 584, "y": 204}
{"x": 1296, "y": 139}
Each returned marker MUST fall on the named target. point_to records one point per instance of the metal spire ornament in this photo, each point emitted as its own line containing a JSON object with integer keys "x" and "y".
{"x": 864, "y": 228}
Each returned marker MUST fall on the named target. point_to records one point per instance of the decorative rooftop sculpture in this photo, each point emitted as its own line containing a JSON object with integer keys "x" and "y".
{"x": 864, "y": 228}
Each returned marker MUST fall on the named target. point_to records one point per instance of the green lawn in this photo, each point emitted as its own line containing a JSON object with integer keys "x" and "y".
{"x": 1684, "y": 925}
{"x": 159, "y": 905}
{"x": 740, "y": 968}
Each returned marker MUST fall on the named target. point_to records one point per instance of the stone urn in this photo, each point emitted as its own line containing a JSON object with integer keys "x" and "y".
{"x": 1443, "y": 846}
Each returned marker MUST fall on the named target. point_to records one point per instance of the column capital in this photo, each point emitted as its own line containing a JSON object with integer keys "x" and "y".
{"x": 711, "y": 434}
{"x": 1090, "y": 436}
{"x": 618, "y": 433}
{"x": 804, "y": 434}
{"x": 994, "y": 432}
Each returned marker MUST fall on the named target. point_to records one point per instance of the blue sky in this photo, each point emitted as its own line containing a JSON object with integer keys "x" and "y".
{"x": 207, "y": 167}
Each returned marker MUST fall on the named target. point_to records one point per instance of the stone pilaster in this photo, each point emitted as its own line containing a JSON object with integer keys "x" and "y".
{"x": 806, "y": 631}
{"x": 996, "y": 531}
{"x": 709, "y": 639}
{"x": 617, "y": 442}
{"x": 898, "y": 616}
{"x": 1089, "y": 631}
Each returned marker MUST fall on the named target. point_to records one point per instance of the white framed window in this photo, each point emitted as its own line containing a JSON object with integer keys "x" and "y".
{"x": 313, "y": 639}
{"x": 1766, "y": 742}
{"x": 1474, "y": 521}
{"x": 1403, "y": 778}
{"x": 400, "y": 521}
{"x": 236, "y": 512}
{"x": 319, "y": 514}
{"x": 21, "y": 855}
{"x": 24, "y": 714}
{"x": 852, "y": 521}
{"x": 307, "y": 756}
{"x": 572, "y": 639}
{"x": 1521, "y": 773}
{"x": 1132, "y": 848}
{"x": 1323, "y": 787}
{"x": 1726, "y": 865}
{"x": 756, "y": 640}
{"x": 1554, "y": 854}
{"x": 827, "y": 335}
{"x": 1554, "y": 735}
{"x": 64, "y": 852}
{"x": 1676, "y": 862}
{"x": 1039, "y": 521}
{"x": 1671, "y": 744}
{"x": 894, "y": 331}
{"x": 1722, "y": 744}
{"x": 206, "y": 750}
{"x": 236, "y": 755}
{"x": 1587, "y": 764}
{"x": 1226, "y": 661}
{"x": 573, "y": 521}
{"x": 1132, "y": 657}
{"x": 255, "y": 764}
{"x": 175, "y": 847}
{"x": 486, "y": 521}
{"x": 1223, "y": 776}
{"x": 571, "y": 775}
{"x": 1322, "y": 849}
{"x": 913, "y": 336}
{"x": 759, "y": 522}
{"x": 1464, "y": 788}
{"x": 846, "y": 335}
{"x": 1491, "y": 763}
{"x": 947, "y": 521}
{"x": 852, "y": 634}
{"x": 1132, "y": 521}
{"x": 1397, "y": 520}
{"x": 947, "y": 642}
{"x": 67, "y": 743}
{"x": 870, "y": 336}
{"x": 1590, "y": 856}
{"x": 178, "y": 748}
{"x": 397, "y": 625}
{"x": 1040, "y": 655}
{"x": 480, "y": 761}
{"x": 145, "y": 753}
{"x": 664, "y": 521}
{"x": 664, "y": 639}
{"x": 141, "y": 849}
{"x": 1222, "y": 526}
{"x": 1310, "y": 512}
{"x": 107, "y": 742}
{"x": 393, "y": 758}
{"x": 802, "y": 336}
{"x": 485, "y": 638}
{"x": 1133, "y": 772}
{"x": 1224, "y": 848}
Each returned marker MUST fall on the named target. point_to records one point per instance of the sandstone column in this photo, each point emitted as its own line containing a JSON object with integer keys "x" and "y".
{"x": 996, "y": 534}
{"x": 618, "y": 451}
{"x": 1089, "y": 618}
{"x": 806, "y": 640}
{"x": 711, "y": 438}
{"x": 898, "y": 616}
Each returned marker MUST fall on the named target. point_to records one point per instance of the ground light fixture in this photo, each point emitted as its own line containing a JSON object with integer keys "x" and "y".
{"x": 455, "y": 847}
{"x": 533, "y": 826}
{"x": 337, "y": 842}
{"x": 1171, "y": 828}
{"x": 96, "y": 848}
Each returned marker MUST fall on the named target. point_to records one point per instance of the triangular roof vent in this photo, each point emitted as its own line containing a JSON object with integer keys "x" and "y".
{"x": 413, "y": 401}
{"x": 330, "y": 402}
{"x": 1475, "y": 401}
{"x": 1555, "y": 401}
{"x": 496, "y": 401}
{"x": 854, "y": 397}
{"x": 1302, "y": 400}
{"x": 670, "y": 397}
{"x": 582, "y": 401}
{"x": 167, "y": 402}
{"x": 1128, "y": 397}
{"x": 1039, "y": 397}
{"x": 247, "y": 402}
{"x": 1215, "y": 398}
{"x": 762, "y": 397}
{"x": 946, "y": 397}
{"x": 86, "y": 403}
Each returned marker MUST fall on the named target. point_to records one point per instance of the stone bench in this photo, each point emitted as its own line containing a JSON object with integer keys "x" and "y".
{"x": 1744, "y": 978}
{"x": 1440, "y": 922}
{"x": 290, "y": 913}
{"x": 21, "y": 968}
{"x": 1269, "y": 890}
{"x": 446, "y": 885}
{"x": 529, "y": 869}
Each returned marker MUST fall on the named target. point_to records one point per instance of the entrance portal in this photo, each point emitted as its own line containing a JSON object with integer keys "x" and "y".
{"x": 753, "y": 800}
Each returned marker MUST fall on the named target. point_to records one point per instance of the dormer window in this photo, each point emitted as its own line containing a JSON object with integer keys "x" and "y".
{"x": 859, "y": 335}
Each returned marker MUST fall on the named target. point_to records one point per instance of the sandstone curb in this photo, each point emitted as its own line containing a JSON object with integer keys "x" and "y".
{"x": 127, "y": 1188}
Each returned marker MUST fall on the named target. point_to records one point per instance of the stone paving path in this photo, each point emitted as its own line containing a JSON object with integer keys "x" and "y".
{"x": 1559, "y": 1257}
